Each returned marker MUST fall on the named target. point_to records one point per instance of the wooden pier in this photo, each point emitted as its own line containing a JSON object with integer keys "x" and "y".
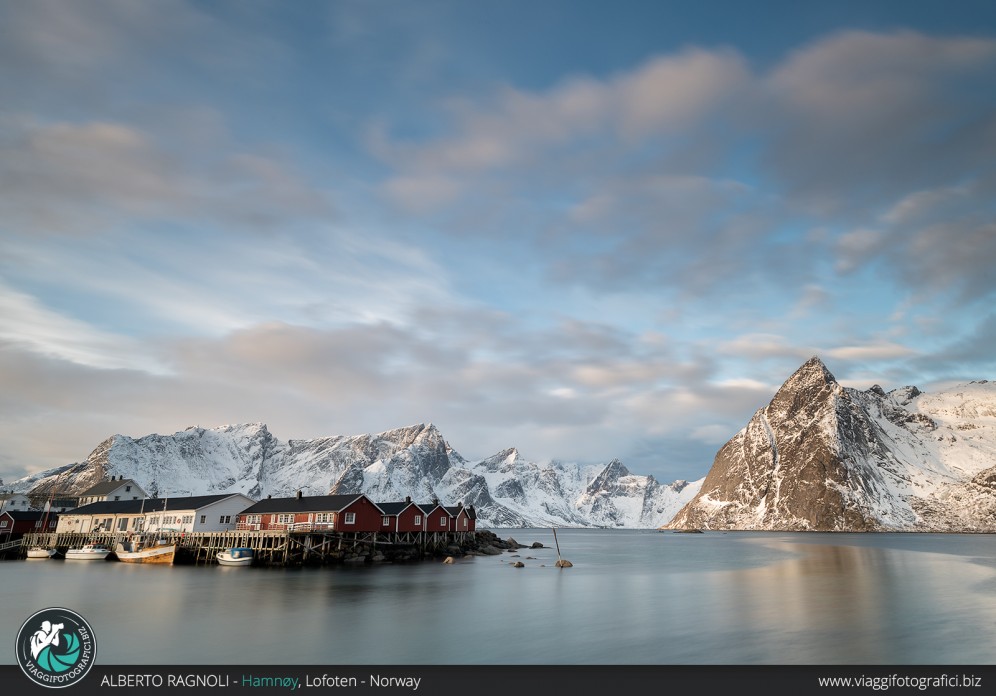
{"x": 276, "y": 547}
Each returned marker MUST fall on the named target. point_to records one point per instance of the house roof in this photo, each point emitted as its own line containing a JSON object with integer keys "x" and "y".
{"x": 306, "y": 503}
{"x": 395, "y": 508}
{"x": 134, "y": 507}
{"x": 105, "y": 487}
{"x": 455, "y": 510}
{"x": 27, "y": 515}
{"x": 429, "y": 507}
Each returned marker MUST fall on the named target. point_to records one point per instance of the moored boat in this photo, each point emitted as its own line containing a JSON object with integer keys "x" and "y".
{"x": 40, "y": 552}
{"x": 88, "y": 552}
{"x": 235, "y": 556}
{"x": 134, "y": 552}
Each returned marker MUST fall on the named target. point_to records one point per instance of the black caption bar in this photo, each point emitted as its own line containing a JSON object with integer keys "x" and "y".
{"x": 441, "y": 680}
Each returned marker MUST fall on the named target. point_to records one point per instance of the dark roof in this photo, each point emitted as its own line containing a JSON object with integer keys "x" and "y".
{"x": 394, "y": 508}
{"x": 28, "y": 515}
{"x": 306, "y": 503}
{"x": 105, "y": 487}
{"x": 134, "y": 507}
{"x": 429, "y": 507}
{"x": 64, "y": 502}
{"x": 455, "y": 510}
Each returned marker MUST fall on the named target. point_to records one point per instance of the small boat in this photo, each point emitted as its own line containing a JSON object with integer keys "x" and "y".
{"x": 135, "y": 552}
{"x": 88, "y": 552}
{"x": 236, "y": 556}
{"x": 40, "y": 552}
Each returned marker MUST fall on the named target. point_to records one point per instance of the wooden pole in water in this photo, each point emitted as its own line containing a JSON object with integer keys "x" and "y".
{"x": 561, "y": 563}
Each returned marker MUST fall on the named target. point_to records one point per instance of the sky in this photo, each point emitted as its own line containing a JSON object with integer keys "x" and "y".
{"x": 588, "y": 230}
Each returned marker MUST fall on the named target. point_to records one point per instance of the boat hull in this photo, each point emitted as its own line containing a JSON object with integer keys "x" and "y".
{"x": 80, "y": 555}
{"x": 162, "y": 555}
{"x": 38, "y": 553}
{"x": 235, "y": 557}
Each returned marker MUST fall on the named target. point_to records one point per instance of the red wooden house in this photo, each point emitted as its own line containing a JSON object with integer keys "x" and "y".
{"x": 404, "y": 516}
{"x": 339, "y": 513}
{"x": 463, "y": 519}
{"x": 437, "y": 518}
{"x": 16, "y": 523}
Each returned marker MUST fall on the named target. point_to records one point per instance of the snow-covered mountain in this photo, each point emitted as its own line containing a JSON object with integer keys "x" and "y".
{"x": 821, "y": 456}
{"x": 416, "y": 461}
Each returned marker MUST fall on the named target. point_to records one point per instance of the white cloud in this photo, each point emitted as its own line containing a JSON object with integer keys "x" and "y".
{"x": 85, "y": 178}
{"x": 27, "y": 323}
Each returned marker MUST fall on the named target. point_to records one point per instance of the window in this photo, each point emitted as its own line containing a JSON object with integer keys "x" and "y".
{"x": 37, "y": 524}
{"x": 442, "y": 521}
{"x": 224, "y": 519}
{"x": 253, "y": 519}
{"x": 350, "y": 518}
{"x": 128, "y": 490}
{"x": 418, "y": 519}
{"x": 204, "y": 518}
{"x": 287, "y": 518}
{"x": 385, "y": 520}
{"x": 324, "y": 517}
{"x": 122, "y": 524}
{"x": 3, "y": 523}
{"x": 464, "y": 522}
{"x": 117, "y": 497}
{"x": 52, "y": 523}
{"x": 188, "y": 519}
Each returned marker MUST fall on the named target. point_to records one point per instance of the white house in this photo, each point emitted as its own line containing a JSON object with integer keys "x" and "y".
{"x": 115, "y": 489}
{"x": 203, "y": 513}
{"x": 15, "y": 501}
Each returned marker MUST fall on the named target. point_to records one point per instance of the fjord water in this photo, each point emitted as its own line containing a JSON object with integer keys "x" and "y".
{"x": 632, "y": 597}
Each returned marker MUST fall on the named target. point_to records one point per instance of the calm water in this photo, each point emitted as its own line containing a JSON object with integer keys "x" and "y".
{"x": 632, "y": 597}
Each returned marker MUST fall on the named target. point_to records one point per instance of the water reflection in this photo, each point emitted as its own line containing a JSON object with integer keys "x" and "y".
{"x": 631, "y": 598}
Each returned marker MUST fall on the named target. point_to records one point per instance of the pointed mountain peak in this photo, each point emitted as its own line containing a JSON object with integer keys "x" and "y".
{"x": 812, "y": 373}
{"x": 612, "y": 472}
{"x": 807, "y": 388}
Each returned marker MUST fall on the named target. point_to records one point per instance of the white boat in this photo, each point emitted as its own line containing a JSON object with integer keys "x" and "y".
{"x": 88, "y": 552}
{"x": 134, "y": 552}
{"x": 236, "y": 556}
{"x": 40, "y": 552}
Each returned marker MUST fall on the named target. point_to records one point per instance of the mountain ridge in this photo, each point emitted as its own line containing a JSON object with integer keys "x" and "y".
{"x": 415, "y": 461}
{"x": 824, "y": 457}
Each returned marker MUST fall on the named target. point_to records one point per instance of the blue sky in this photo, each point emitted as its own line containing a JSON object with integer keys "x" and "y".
{"x": 585, "y": 229}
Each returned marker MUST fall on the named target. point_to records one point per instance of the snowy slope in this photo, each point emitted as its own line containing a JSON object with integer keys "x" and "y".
{"x": 821, "y": 456}
{"x": 415, "y": 461}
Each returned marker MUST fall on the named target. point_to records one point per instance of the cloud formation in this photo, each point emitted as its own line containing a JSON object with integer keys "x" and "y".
{"x": 370, "y": 219}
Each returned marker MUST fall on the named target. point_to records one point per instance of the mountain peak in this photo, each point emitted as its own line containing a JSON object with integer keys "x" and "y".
{"x": 813, "y": 370}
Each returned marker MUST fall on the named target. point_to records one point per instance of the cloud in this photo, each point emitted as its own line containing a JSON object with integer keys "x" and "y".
{"x": 696, "y": 170}
{"x": 664, "y": 95}
{"x": 573, "y": 392}
{"x": 83, "y": 178}
{"x": 27, "y": 323}
{"x": 76, "y": 54}
{"x": 861, "y": 118}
